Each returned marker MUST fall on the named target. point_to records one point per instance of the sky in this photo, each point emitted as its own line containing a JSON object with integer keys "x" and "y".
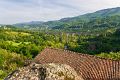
{"x": 16, "y": 11}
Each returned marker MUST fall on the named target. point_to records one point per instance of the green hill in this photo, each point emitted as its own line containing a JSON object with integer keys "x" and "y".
{"x": 81, "y": 21}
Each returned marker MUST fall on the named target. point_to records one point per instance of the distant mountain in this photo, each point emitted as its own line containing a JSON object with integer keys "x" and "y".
{"x": 97, "y": 14}
{"x": 29, "y": 24}
{"x": 111, "y": 16}
{"x": 74, "y": 22}
{"x": 102, "y": 13}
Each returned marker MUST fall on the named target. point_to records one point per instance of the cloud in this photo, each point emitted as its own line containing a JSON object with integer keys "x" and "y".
{"x": 14, "y": 11}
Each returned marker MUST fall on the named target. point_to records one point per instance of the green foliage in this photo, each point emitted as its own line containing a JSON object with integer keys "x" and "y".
{"x": 9, "y": 62}
{"x": 34, "y": 41}
{"x": 111, "y": 55}
{"x": 17, "y": 43}
{"x": 92, "y": 25}
{"x": 2, "y": 74}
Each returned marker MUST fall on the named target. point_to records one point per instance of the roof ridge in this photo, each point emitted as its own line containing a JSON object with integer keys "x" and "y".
{"x": 97, "y": 57}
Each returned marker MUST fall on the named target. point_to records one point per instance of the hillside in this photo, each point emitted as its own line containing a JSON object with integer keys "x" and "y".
{"x": 75, "y": 22}
{"x": 101, "y": 13}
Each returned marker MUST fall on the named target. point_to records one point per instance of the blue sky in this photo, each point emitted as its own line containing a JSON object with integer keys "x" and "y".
{"x": 15, "y": 11}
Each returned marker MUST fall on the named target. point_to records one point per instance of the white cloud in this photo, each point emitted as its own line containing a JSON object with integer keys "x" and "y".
{"x": 14, "y": 11}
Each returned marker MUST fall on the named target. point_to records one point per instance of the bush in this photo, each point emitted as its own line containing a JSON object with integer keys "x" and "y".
{"x": 111, "y": 55}
{"x": 9, "y": 62}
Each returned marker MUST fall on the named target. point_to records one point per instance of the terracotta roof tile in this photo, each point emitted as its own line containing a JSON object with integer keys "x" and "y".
{"x": 88, "y": 66}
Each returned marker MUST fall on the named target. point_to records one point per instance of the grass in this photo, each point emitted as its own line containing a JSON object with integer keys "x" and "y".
{"x": 17, "y": 33}
{"x": 16, "y": 44}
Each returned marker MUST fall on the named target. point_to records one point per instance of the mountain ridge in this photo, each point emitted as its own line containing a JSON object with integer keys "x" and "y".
{"x": 81, "y": 18}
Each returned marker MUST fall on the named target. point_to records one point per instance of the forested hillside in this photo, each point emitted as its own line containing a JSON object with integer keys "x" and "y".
{"x": 30, "y": 42}
{"x": 16, "y": 42}
{"x": 102, "y": 18}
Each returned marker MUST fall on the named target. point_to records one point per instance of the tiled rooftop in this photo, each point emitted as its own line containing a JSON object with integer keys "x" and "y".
{"x": 88, "y": 66}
